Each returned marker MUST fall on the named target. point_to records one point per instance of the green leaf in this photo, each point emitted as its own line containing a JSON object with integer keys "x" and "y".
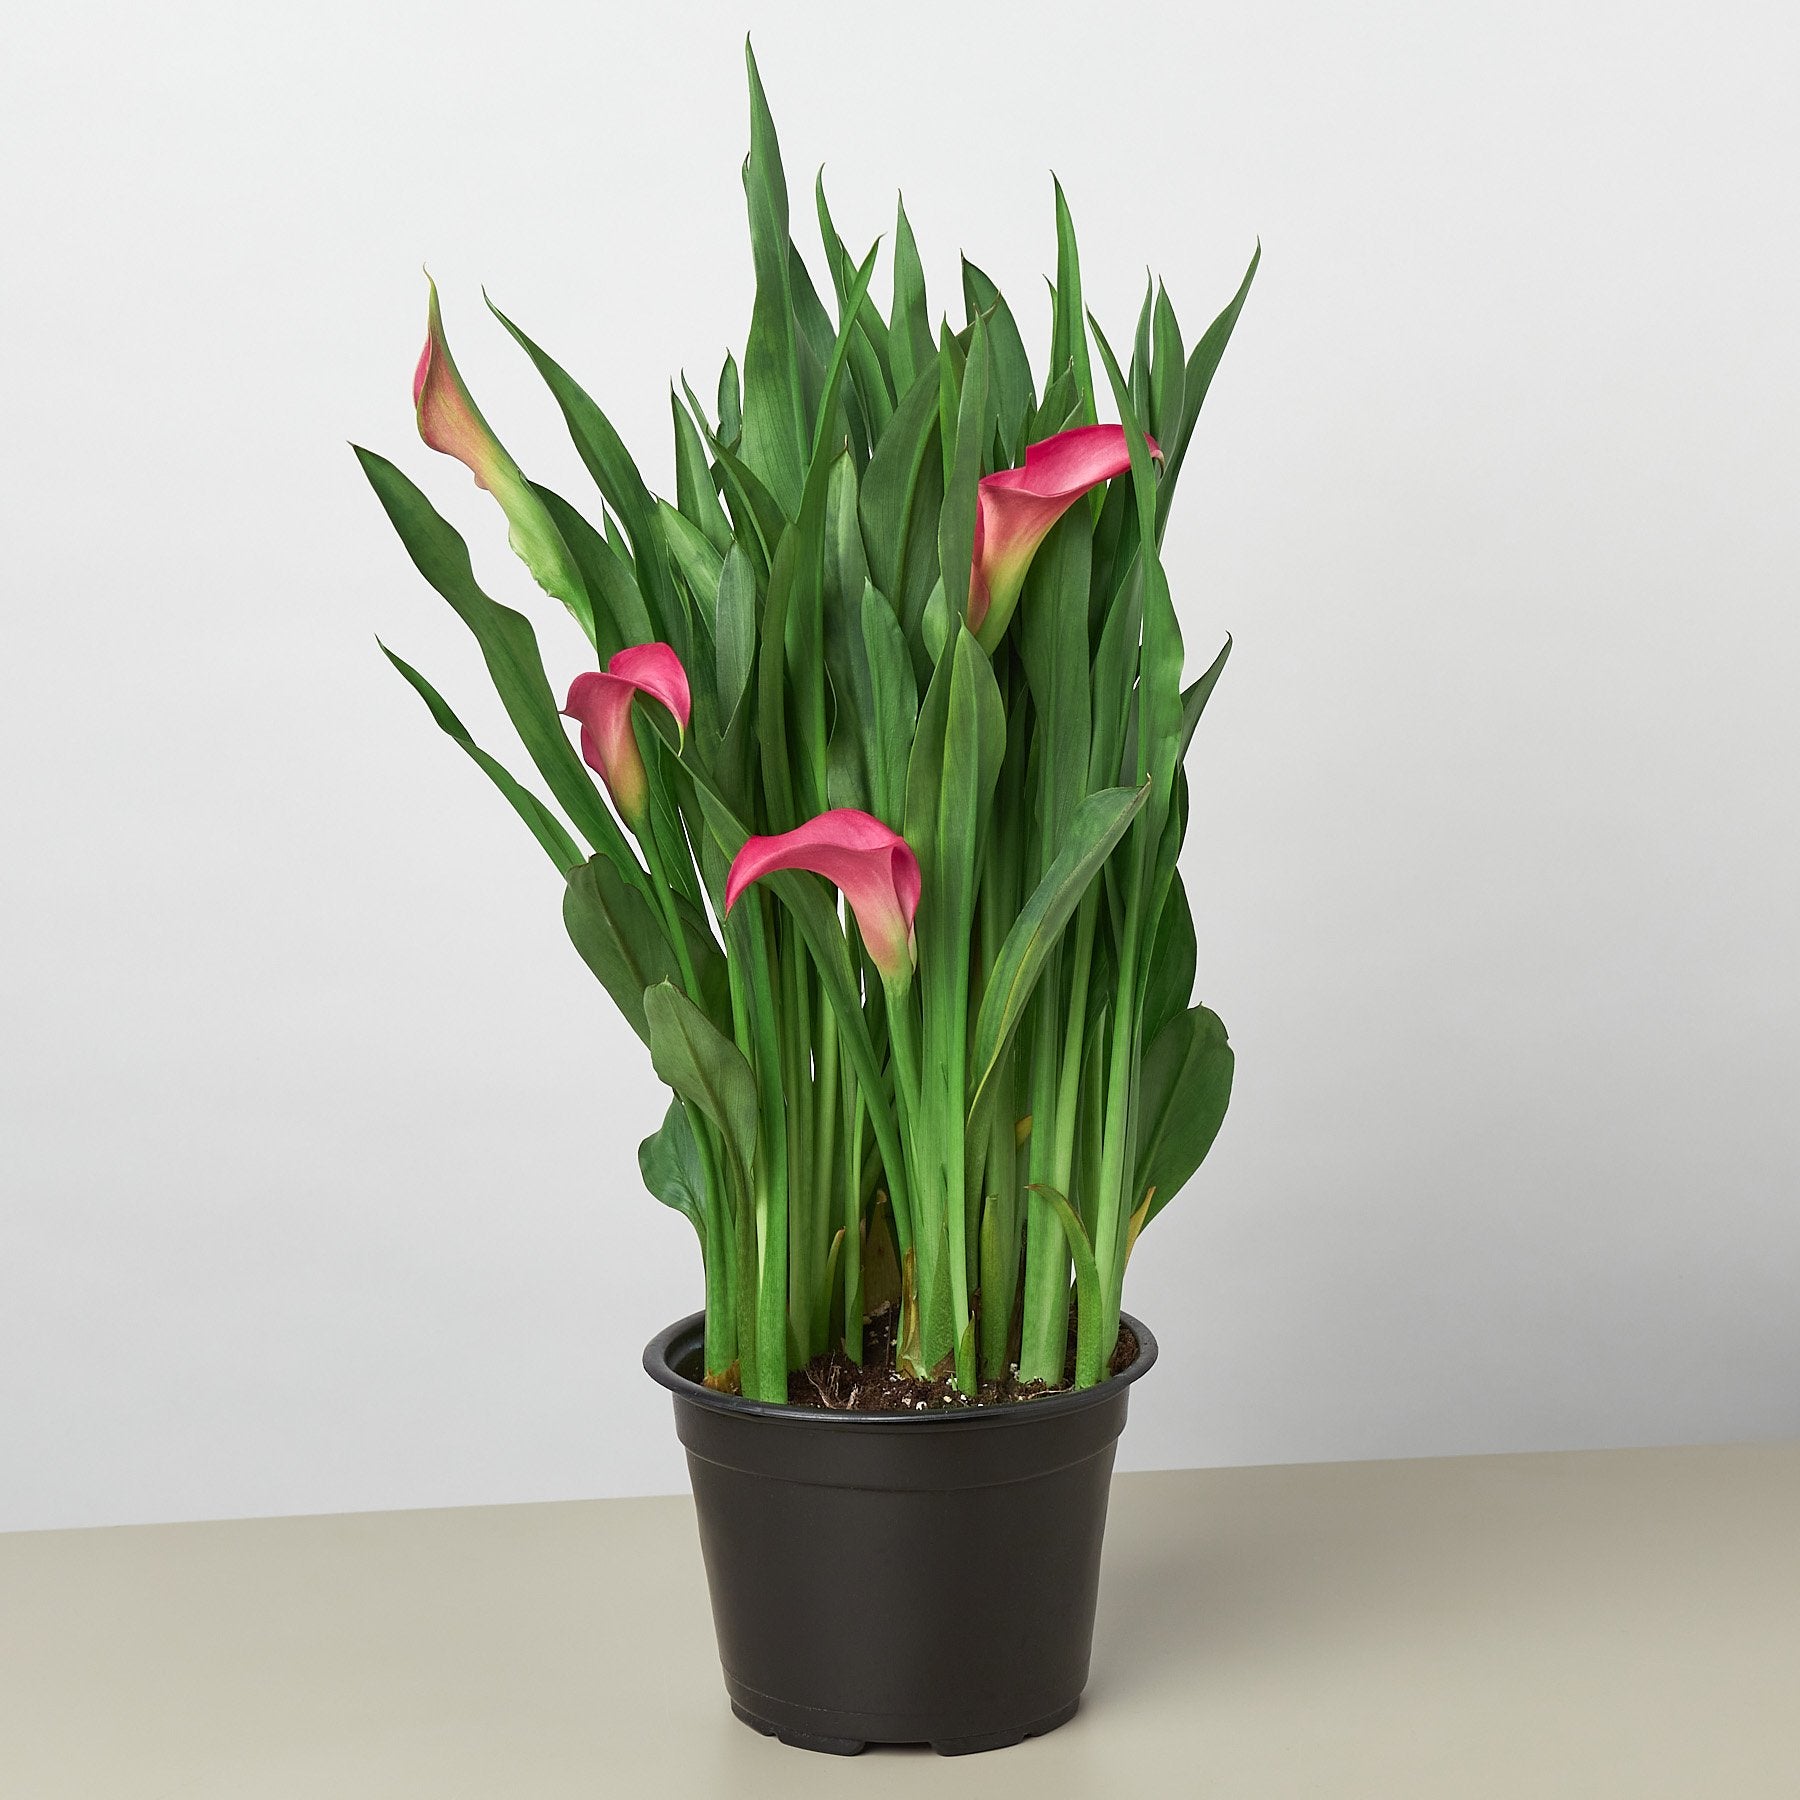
{"x": 1068, "y": 340}
{"x": 757, "y": 520}
{"x": 974, "y": 427}
{"x": 1197, "y": 380}
{"x": 1140, "y": 360}
{"x": 837, "y": 360}
{"x": 1159, "y": 660}
{"x": 619, "y": 937}
{"x": 1186, "y": 1087}
{"x": 1194, "y": 699}
{"x": 707, "y": 960}
{"x": 1115, "y": 672}
{"x": 1051, "y": 632}
{"x": 508, "y": 646}
{"x": 1098, "y": 824}
{"x": 893, "y": 712}
{"x": 543, "y": 824}
{"x": 695, "y": 493}
{"x": 956, "y": 754}
{"x": 772, "y": 687}
{"x": 903, "y": 483}
{"x": 952, "y": 360}
{"x": 775, "y": 435}
{"x": 607, "y": 460}
{"x": 705, "y": 1068}
{"x": 669, "y": 1162}
{"x": 695, "y": 559}
{"x": 734, "y": 627}
{"x": 620, "y": 617}
{"x": 1169, "y": 978}
{"x": 1014, "y": 398}
{"x": 870, "y": 369}
{"x": 813, "y": 338}
{"x": 911, "y": 350}
{"x": 1088, "y": 1353}
{"x": 1058, "y": 410}
{"x": 846, "y": 575}
{"x": 1167, "y": 373}
{"x": 837, "y": 258}
{"x": 731, "y": 403}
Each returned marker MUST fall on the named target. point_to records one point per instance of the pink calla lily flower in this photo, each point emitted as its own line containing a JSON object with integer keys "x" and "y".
{"x": 600, "y": 701}
{"x": 1015, "y": 508}
{"x": 450, "y": 422}
{"x": 875, "y": 868}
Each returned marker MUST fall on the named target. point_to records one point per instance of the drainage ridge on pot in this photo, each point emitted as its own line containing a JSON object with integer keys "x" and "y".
{"x": 900, "y": 1578}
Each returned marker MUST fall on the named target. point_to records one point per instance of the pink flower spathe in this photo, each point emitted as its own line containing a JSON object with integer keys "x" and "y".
{"x": 600, "y": 701}
{"x": 1015, "y": 508}
{"x": 873, "y": 866}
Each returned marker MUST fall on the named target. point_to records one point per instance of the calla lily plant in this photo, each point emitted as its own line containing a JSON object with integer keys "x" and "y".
{"x": 870, "y": 826}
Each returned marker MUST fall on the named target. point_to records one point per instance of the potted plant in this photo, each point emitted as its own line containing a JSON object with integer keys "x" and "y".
{"x": 870, "y": 830}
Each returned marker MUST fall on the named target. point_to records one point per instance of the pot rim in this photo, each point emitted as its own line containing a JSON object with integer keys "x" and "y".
{"x": 658, "y": 1365}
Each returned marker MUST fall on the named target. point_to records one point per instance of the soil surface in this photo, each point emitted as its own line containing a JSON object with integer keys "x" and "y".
{"x": 834, "y": 1383}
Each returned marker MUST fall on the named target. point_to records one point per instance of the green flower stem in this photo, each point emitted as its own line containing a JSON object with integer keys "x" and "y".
{"x": 770, "y": 1176}
{"x": 720, "y": 1259}
{"x": 1074, "y": 1035}
{"x": 999, "y": 1236}
{"x": 1113, "y": 1198}
{"x": 904, "y": 1044}
{"x": 805, "y": 1251}
{"x": 1090, "y": 1357}
{"x": 853, "y": 1283}
{"x": 925, "y": 1229}
{"x": 665, "y": 900}
{"x": 827, "y": 1112}
{"x": 954, "y": 1147}
{"x": 1044, "y": 1315}
{"x": 1045, "y": 1331}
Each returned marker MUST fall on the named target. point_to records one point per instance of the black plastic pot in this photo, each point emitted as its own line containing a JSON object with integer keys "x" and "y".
{"x": 911, "y": 1578}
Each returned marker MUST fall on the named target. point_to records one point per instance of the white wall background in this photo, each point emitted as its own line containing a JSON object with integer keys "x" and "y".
{"x": 317, "y": 1184}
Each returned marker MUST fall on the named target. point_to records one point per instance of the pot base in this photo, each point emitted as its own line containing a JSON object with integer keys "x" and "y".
{"x": 793, "y": 1731}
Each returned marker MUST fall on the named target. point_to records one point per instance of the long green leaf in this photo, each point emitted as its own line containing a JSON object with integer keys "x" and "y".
{"x": 619, "y": 937}
{"x": 893, "y": 708}
{"x": 1098, "y": 824}
{"x": 910, "y": 347}
{"x": 669, "y": 1162}
{"x": 775, "y": 434}
{"x": 1014, "y": 398}
{"x": 1195, "y": 697}
{"x": 508, "y": 646}
{"x": 1174, "y": 956}
{"x": 1051, "y": 632}
{"x": 1068, "y": 341}
{"x": 1088, "y": 1354}
{"x": 703, "y": 1066}
{"x": 615, "y": 474}
{"x": 894, "y": 489}
{"x": 1168, "y": 375}
{"x": 1185, "y": 1090}
{"x": 543, "y": 824}
{"x": 695, "y": 493}
{"x": 735, "y": 633}
{"x": 695, "y": 559}
{"x": 1196, "y": 381}
{"x": 974, "y": 432}
{"x": 620, "y": 617}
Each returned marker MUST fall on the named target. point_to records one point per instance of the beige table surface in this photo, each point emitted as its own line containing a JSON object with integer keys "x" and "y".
{"x": 1598, "y": 1624}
